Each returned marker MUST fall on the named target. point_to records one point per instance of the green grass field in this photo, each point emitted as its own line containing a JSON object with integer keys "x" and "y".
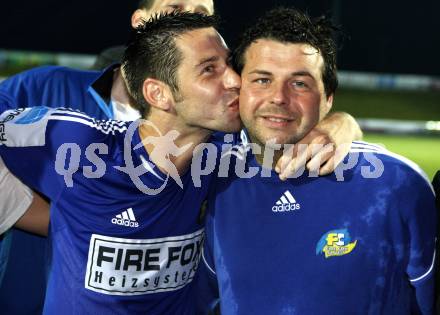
{"x": 402, "y": 105}
{"x": 425, "y": 151}
{"x": 405, "y": 105}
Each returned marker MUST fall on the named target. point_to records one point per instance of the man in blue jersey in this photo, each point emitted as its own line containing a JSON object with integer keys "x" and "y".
{"x": 100, "y": 95}
{"x": 115, "y": 249}
{"x": 364, "y": 245}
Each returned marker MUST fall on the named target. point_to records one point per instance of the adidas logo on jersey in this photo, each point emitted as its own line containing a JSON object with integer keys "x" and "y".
{"x": 286, "y": 203}
{"x": 126, "y": 218}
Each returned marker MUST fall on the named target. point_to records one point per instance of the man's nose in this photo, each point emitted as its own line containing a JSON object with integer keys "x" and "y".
{"x": 231, "y": 79}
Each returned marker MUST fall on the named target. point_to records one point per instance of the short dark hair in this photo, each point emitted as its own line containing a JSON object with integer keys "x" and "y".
{"x": 146, "y": 4}
{"x": 152, "y": 52}
{"x": 288, "y": 25}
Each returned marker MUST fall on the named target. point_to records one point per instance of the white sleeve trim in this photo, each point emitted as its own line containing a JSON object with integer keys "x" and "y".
{"x": 426, "y": 273}
{"x": 15, "y": 198}
{"x": 206, "y": 263}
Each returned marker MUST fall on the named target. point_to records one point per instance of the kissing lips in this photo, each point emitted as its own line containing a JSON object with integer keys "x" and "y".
{"x": 233, "y": 105}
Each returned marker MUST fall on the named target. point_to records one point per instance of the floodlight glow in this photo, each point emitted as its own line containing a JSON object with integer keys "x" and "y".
{"x": 433, "y": 125}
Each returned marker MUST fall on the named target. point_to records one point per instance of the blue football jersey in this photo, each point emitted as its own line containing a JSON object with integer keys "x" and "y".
{"x": 115, "y": 249}
{"x": 54, "y": 86}
{"x": 359, "y": 241}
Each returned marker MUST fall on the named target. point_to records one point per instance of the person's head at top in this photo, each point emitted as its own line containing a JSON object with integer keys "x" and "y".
{"x": 287, "y": 62}
{"x": 148, "y": 8}
{"x": 176, "y": 67}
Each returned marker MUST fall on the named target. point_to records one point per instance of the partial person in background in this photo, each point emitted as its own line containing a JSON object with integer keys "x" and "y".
{"x": 16, "y": 198}
{"x": 359, "y": 241}
{"x": 23, "y": 256}
{"x": 146, "y": 9}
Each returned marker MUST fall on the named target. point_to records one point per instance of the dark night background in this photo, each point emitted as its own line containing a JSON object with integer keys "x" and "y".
{"x": 385, "y": 36}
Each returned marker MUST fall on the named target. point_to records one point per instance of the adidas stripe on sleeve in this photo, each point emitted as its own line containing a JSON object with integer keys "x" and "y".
{"x": 41, "y": 144}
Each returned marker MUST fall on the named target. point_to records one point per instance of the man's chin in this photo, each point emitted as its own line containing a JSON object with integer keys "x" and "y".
{"x": 280, "y": 140}
{"x": 277, "y": 144}
{"x": 231, "y": 127}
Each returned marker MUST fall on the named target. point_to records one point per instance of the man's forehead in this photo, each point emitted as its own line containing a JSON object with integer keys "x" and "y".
{"x": 201, "y": 42}
{"x": 288, "y": 55}
{"x": 203, "y": 6}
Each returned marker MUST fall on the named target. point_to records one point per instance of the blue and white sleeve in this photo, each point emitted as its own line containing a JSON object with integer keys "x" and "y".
{"x": 27, "y": 146}
{"x": 422, "y": 229}
{"x": 37, "y": 144}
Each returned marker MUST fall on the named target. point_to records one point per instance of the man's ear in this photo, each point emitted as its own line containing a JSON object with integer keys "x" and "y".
{"x": 157, "y": 94}
{"x": 328, "y": 103}
{"x": 138, "y": 17}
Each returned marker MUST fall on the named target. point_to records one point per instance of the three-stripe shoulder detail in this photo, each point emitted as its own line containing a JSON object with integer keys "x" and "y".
{"x": 105, "y": 126}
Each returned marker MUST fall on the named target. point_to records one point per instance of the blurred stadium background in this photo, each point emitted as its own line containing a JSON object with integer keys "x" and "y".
{"x": 389, "y": 69}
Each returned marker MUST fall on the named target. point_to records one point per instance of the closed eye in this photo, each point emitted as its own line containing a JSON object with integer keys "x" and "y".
{"x": 208, "y": 69}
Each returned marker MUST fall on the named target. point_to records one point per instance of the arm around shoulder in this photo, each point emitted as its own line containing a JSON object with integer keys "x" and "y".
{"x": 15, "y": 198}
